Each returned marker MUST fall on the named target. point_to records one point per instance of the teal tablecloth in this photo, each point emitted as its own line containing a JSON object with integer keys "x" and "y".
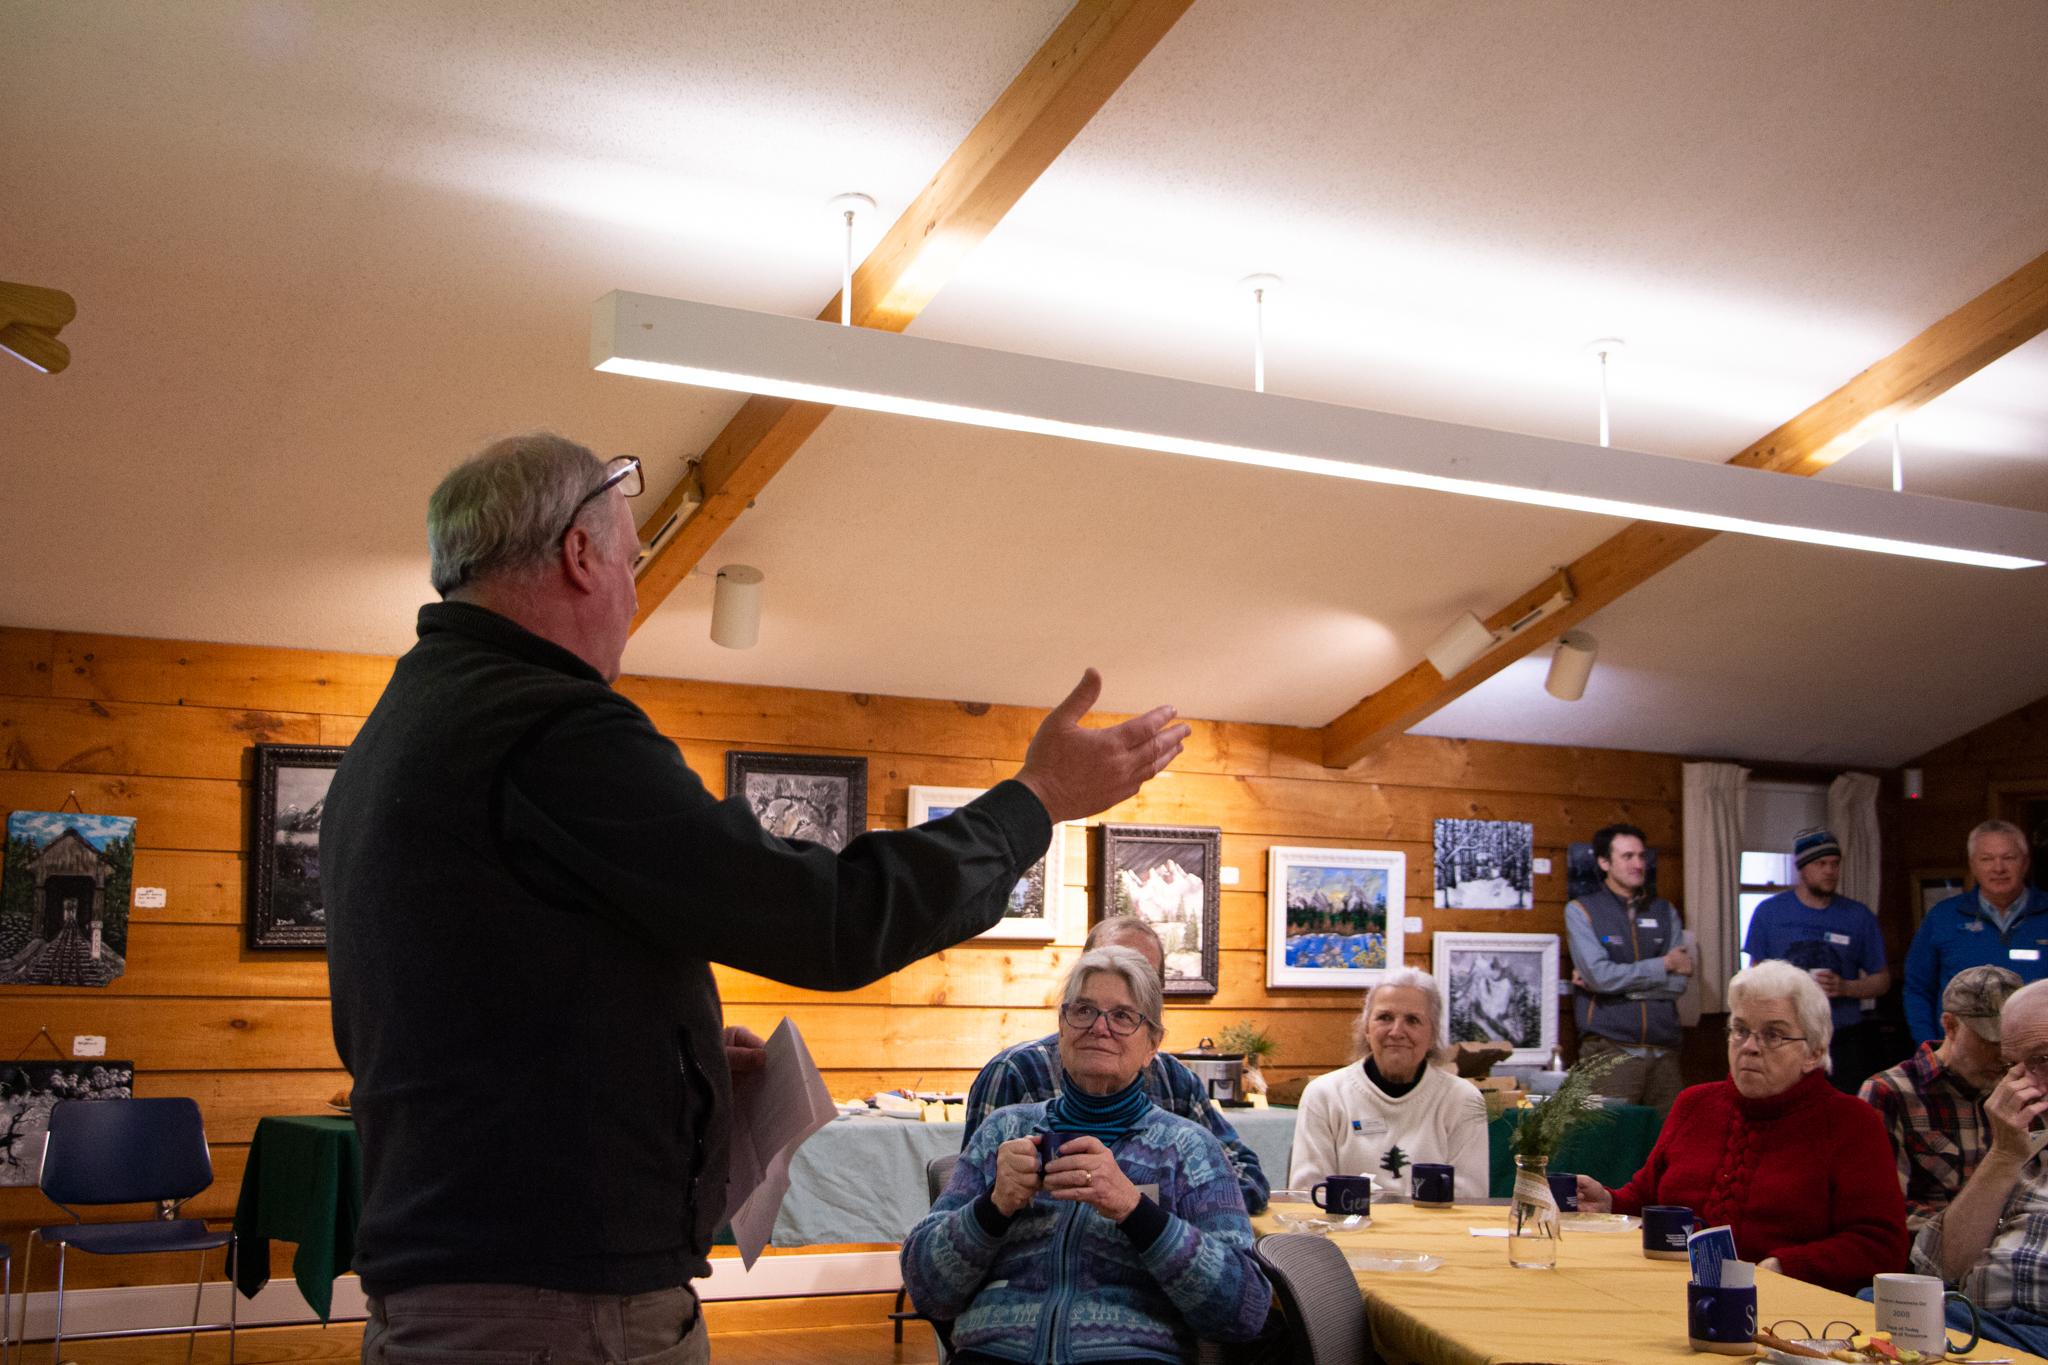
{"x": 1611, "y": 1151}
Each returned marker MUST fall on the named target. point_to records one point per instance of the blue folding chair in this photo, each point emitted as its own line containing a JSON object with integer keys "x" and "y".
{"x": 129, "y": 1152}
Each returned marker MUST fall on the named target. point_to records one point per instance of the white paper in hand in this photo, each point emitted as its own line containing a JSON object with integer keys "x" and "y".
{"x": 774, "y": 1110}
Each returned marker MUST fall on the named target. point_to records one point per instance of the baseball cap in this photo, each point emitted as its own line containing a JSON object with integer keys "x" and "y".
{"x": 1976, "y": 995}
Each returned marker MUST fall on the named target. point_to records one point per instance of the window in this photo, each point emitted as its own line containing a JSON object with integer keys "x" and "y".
{"x": 1762, "y": 875}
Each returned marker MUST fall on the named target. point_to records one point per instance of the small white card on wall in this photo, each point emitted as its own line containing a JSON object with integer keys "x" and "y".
{"x": 88, "y": 1045}
{"x": 1411, "y": 924}
{"x": 1539, "y": 866}
{"x": 1226, "y": 876}
{"x": 149, "y": 898}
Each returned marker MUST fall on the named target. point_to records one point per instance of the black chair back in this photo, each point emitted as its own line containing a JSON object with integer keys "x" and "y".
{"x": 938, "y": 1173}
{"x": 125, "y": 1152}
{"x": 1325, "y": 1311}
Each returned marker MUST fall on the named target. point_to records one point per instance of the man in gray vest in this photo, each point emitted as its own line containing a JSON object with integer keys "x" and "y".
{"x": 1631, "y": 960}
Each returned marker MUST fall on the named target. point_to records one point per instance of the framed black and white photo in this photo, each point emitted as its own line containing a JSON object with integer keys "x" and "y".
{"x": 1167, "y": 876}
{"x": 1582, "y": 874}
{"x": 285, "y": 909}
{"x": 1035, "y": 900}
{"x": 1333, "y": 915}
{"x": 1485, "y": 865}
{"x": 29, "y": 1090}
{"x": 1499, "y": 988}
{"x": 820, "y": 798}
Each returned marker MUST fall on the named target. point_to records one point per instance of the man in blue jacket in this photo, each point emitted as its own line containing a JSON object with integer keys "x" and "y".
{"x": 2001, "y": 922}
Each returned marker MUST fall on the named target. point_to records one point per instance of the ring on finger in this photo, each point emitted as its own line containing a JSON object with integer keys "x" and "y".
{"x": 1087, "y": 1177}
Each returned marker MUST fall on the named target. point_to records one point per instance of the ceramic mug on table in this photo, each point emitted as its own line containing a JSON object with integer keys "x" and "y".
{"x": 1434, "y": 1184}
{"x": 1721, "y": 1319}
{"x": 1913, "y": 1308}
{"x": 1665, "y": 1228}
{"x": 1049, "y": 1145}
{"x": 1565, "y": 1190}
{"x": 1346, "y": 1194}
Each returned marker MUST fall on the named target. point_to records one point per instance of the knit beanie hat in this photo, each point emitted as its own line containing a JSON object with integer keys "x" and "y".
{"x": 1809, "y": 844}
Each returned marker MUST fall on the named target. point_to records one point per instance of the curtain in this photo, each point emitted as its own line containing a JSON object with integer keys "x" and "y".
{"x": 1714, "y": 795}
{"x": 1852, "y": 816}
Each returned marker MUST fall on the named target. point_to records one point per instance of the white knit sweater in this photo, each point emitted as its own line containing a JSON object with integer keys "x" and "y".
{"x": 1347, "y": 1124}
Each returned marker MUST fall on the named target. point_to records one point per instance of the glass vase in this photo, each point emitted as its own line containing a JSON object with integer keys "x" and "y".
{"x": 1533, "y": 1230}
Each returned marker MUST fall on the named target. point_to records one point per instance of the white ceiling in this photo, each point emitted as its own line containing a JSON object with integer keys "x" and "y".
{"x": 321, "y": 252}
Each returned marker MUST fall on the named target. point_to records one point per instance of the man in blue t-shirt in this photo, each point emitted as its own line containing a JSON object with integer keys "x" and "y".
{"x": 1834, "y": 938}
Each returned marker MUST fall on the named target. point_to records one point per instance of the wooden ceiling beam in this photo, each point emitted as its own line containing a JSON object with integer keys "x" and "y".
{"x": 1091, "y": 53}
{"x": 2005, "y": 316}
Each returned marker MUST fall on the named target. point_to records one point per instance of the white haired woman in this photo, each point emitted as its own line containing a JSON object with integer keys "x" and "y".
{"x": 1129, "y": 1243}
{"x": 1802, "y": 1173}
{"x": 1392, "y": 1097}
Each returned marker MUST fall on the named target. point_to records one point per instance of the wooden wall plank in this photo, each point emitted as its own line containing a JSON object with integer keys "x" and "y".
{"x": 183, "y": 673}
{"x": 238, "y": 1034}
{"x": 83, "y": 736}
{"x": 233, "y": 1101}
{"x": 170, "y": 812}
{"x": 209, "y": 960}
{"x": 25, "y": 657}
{"x": 198, "y": 887}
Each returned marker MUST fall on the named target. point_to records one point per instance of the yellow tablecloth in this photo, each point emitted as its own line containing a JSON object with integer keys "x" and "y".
{"x": 1603, "y": 1305}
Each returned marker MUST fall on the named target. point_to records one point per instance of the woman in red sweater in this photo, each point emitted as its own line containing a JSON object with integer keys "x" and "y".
{"x": 1801, "y": 1172}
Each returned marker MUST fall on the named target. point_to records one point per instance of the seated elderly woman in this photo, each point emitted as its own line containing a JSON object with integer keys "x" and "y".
{"x": 1393, "y": 1097}
{"x": 1129, "y": 1242}
{"x": 1802, "y": 1173}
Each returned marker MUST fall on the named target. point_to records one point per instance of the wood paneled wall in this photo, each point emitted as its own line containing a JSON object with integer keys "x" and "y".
{"x": 161, "y": 730}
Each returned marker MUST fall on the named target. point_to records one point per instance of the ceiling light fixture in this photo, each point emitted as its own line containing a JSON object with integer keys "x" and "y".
{"x": 1467, "y": 638}
{"x": 1260, "y": 287}
{"x": 736, "y": 607}
{"x": 1571, "y": 665}
{"x": 1603, "y": 348}
{"x": 857, "y": 367}
{"x": 848, "y": 207}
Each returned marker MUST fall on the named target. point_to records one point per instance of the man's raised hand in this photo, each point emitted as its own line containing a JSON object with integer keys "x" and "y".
{"x": 1076, "y": 772}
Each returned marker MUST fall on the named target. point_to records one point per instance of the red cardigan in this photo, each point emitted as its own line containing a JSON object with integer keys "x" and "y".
{"x": 1806, "y": 1176}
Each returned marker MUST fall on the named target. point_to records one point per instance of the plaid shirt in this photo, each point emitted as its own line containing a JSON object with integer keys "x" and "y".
{"x": 2013, "y": 1271}
{"x": 1938, "y": 1130}
{"x": 1028, "y": 1072}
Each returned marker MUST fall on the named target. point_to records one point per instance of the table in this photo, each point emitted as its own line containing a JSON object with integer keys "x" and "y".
{"x": 1604, "y": 1304}
{"x": 1610, "y": 1151}
{"x": 304, "y": 1184}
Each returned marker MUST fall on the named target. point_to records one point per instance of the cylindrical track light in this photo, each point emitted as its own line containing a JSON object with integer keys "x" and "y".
{"x": 1571, "y": 665}
{"x": 1457, "y": 648}
{"x": 736, "y": 607}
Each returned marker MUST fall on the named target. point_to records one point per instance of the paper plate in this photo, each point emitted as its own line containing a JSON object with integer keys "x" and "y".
{"x": 1396, "y": 1262}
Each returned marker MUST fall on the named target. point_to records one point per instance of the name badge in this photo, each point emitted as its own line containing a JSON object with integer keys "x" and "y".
{"x": 1646, "y": 924}
{"x": 1975, "y": 926}
{"x": 2025, "y": 954}
{"x": 1842, "y": 939}
{"x": 1375, "y": 1126}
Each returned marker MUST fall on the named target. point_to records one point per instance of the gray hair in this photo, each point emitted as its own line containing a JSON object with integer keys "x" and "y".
{"x": 1776, "y": 980}
{"x": 1137, "y": 975}
{"x": 1110, "y": 930}
{"x": 1411, "y": 978}
{"x": 504, "y": 510}
{"x": 2005, "y": 827}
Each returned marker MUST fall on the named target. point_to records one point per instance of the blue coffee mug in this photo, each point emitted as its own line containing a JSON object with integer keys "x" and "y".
{"x": 1721, "y": 1319}
{"x": 1049, "y": 1145}
{"x": 1347, "y": 1194}
{"x": 1565, "y": 1190}
{"x": 1433, "y": 1182}
{"x": 1665, "y": 1228}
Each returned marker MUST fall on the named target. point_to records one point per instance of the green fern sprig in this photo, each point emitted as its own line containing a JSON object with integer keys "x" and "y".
{"x": 1544, "y": 1129}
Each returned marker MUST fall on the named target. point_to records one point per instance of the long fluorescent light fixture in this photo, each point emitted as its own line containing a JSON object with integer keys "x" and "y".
{"x": 857, "y": 367}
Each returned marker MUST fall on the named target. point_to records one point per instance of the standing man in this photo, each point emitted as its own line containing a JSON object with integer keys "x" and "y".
{"x": 1932, "y": 1103}
{"x": 526, "y": 889}
{"x": 1833, "y": 938}
{"x": 1631, "y": 960}
{"x": 2002, "y": 920}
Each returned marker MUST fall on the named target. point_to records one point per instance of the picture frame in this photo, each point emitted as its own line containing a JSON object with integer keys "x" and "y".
{"x": 1167, "y": 875}
{"x": 822, "y": 798}
{"x": 1929, "y": 886}
{"x": 1483, "y": 865}
{"x": 29, "y": 1090}
{"x": 1036, "y": 899}
{"x": 285, "y": 908}
{"x": 1321, "y": 908}
{"x": 65, "y": 898}
{"x": 1499, "y": 988}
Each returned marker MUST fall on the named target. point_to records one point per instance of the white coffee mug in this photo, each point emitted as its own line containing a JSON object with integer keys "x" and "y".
{"x": 1913, "y": 1309}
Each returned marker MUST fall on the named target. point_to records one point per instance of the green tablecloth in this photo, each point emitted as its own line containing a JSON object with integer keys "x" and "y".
{"x": 304, "y": 1184}
{"x": 1611, "y": 1151}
